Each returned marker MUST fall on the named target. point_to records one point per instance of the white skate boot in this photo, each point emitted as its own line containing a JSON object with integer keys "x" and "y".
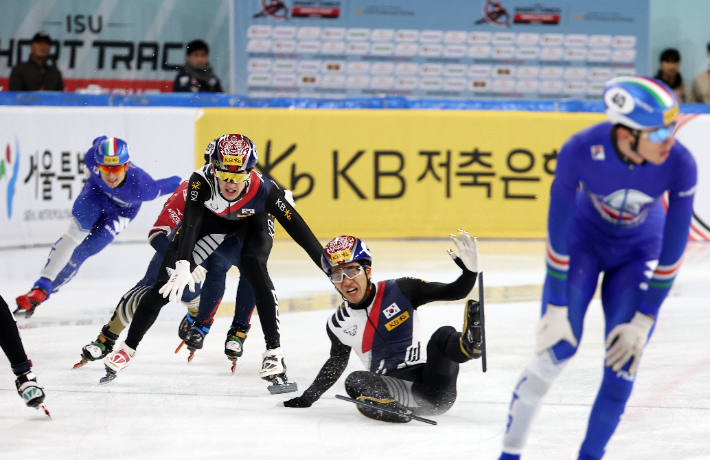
{"x": 273, "y": 369}
{"x": 117, "y": 360}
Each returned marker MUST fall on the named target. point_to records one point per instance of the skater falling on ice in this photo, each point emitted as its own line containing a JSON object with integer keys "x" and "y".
{"x": 606, "y": 216}
{"x": 404, "y": 372}
{"x": 110, "y": 199}
{"x": 225, "y": 198}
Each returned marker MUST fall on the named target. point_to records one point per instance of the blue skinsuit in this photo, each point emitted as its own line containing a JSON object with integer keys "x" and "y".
{"x": 607, "y": 216}
{"x": 104, "y": 212}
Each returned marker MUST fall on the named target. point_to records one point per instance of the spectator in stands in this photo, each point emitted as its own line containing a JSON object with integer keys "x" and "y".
{"x": 36, "y": 74}
{"x": 669, "y": 74}
{"x": 197, "y": 76}
{"x": 701, "y": 85}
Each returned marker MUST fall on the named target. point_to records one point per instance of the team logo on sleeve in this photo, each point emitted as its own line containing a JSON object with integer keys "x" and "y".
{"x": 390, "y": 311}
{"x": 351, "y": 331}
{"x": 598, "y": 152}
{"x": 340, "y": 249}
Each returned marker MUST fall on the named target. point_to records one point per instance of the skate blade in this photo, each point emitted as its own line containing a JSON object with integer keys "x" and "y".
{"x": 80, "y": 363}
{"x": 108, "y": 378}
{"x": 192, "y": 354}
{"x": 234, "y": 365}
{"x": 281, "y": 388}
{"x": 179, "y": 346}
{"x": 22, "y": 313}
{"x": 44, "y": 408}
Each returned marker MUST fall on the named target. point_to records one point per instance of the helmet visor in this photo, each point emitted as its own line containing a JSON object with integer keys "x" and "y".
{"x": 231, "y": 176}
{"x": 661, "y": 134}
{"x": 113, "y": 169}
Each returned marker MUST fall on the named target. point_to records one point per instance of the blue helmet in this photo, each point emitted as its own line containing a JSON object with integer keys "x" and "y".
{"x": 640, "y": 102}
{"x": 112, "y": 151}
{"x": 344, "y": 249}
{"x": 233, "y": 153}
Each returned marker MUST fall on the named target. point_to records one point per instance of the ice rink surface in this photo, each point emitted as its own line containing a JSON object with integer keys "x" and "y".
{"x": 162, "y": 407}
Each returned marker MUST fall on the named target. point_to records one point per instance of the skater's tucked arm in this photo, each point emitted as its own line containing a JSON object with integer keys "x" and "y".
{"x": 198, "y": 191}
{"x": 293, "y": 223}
{"x": 169, "y": 218}
{"x": 328, "y": 375}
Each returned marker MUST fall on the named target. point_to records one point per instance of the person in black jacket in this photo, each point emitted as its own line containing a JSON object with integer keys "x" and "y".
{"x": 380, "y": 322}
{"x": 225, "y": 197}
{"x": 196, "y": 76}
{"x": 36, "y": 74}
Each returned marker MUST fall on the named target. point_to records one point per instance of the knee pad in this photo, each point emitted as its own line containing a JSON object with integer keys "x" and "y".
{"x": 537, "y": 378}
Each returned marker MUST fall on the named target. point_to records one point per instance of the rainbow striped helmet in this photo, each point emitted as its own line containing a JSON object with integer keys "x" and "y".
{"x": 640, "y": 102}
{"x": 112, "y": 151}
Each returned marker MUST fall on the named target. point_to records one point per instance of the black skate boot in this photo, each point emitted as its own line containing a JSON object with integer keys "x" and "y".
{"x": 99, "y": 348}
{"x": 183, "y": 329}
{"x": 234, "y": 345}
{"x": 30, "y": 391}
{"x": 473, "y": 335}
{"x": 372, "y": 408}
{"x": 185, "y": 326}
{"x": 195, "y": 338}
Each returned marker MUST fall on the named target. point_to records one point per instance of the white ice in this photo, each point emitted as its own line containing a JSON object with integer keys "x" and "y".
{"x": 162, "y": 407}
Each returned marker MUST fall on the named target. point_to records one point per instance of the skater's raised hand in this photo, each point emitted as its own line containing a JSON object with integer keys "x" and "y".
{"x": 178, "y": 280}
{"x": 468, "y": 250}
{"x": 626, "y": 341}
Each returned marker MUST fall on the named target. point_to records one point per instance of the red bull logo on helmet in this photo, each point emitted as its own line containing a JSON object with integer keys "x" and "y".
{"x": 340, "y": 249}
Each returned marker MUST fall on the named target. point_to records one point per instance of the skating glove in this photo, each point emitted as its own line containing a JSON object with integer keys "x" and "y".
{"x": 627, "y": 340}
{"x": 298, "y": 402}
{"x": 288, "y": 194}
{"x": 468, "y": 250}
{"x": 180, "y": 277}
{"x": 199, "y": 274}
{"x": 553, "y": 328}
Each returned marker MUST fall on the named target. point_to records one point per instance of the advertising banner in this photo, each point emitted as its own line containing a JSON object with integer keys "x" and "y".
{"x": 111, "y": 46}
{"x": 424, "y": 49}
{"x": 398, "y": 174}
{"x": 42, "y": 169}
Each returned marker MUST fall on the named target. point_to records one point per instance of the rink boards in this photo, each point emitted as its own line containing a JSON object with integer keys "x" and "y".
{"x": 374, "y": 173}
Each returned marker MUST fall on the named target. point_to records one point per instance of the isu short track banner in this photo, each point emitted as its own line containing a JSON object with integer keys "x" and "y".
{"x": 389, "y": 174}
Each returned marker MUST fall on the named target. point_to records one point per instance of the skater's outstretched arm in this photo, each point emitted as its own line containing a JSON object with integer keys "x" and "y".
{"x": 420, "y": 292}
{"x": 278, "y": 206}
{"x": 328, "y": 375}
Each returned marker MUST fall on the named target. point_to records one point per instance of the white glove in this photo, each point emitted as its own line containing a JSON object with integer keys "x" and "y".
{"x": 468, "y": 250}
{"x": 553, "y": 328}
{"x": 626, "y": 341}
{"x": 288, "y": 194}
{"x": 199, "y": 274}
{"x": 180, "y": 277}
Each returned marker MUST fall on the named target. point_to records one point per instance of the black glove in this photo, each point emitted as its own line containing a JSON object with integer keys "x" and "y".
{"x": 298, "y": 402}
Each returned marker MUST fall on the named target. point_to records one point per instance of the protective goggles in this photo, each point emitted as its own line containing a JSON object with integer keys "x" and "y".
{"x": 231, "y": 176}
{"x": 661, "y": 134}
{"x": 106, "y": 169}
{"x": 350, "y": 272}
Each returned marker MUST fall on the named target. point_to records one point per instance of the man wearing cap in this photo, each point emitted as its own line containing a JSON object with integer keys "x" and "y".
{"x": 36, "y": 74}
{"x": 196, "y": 76}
